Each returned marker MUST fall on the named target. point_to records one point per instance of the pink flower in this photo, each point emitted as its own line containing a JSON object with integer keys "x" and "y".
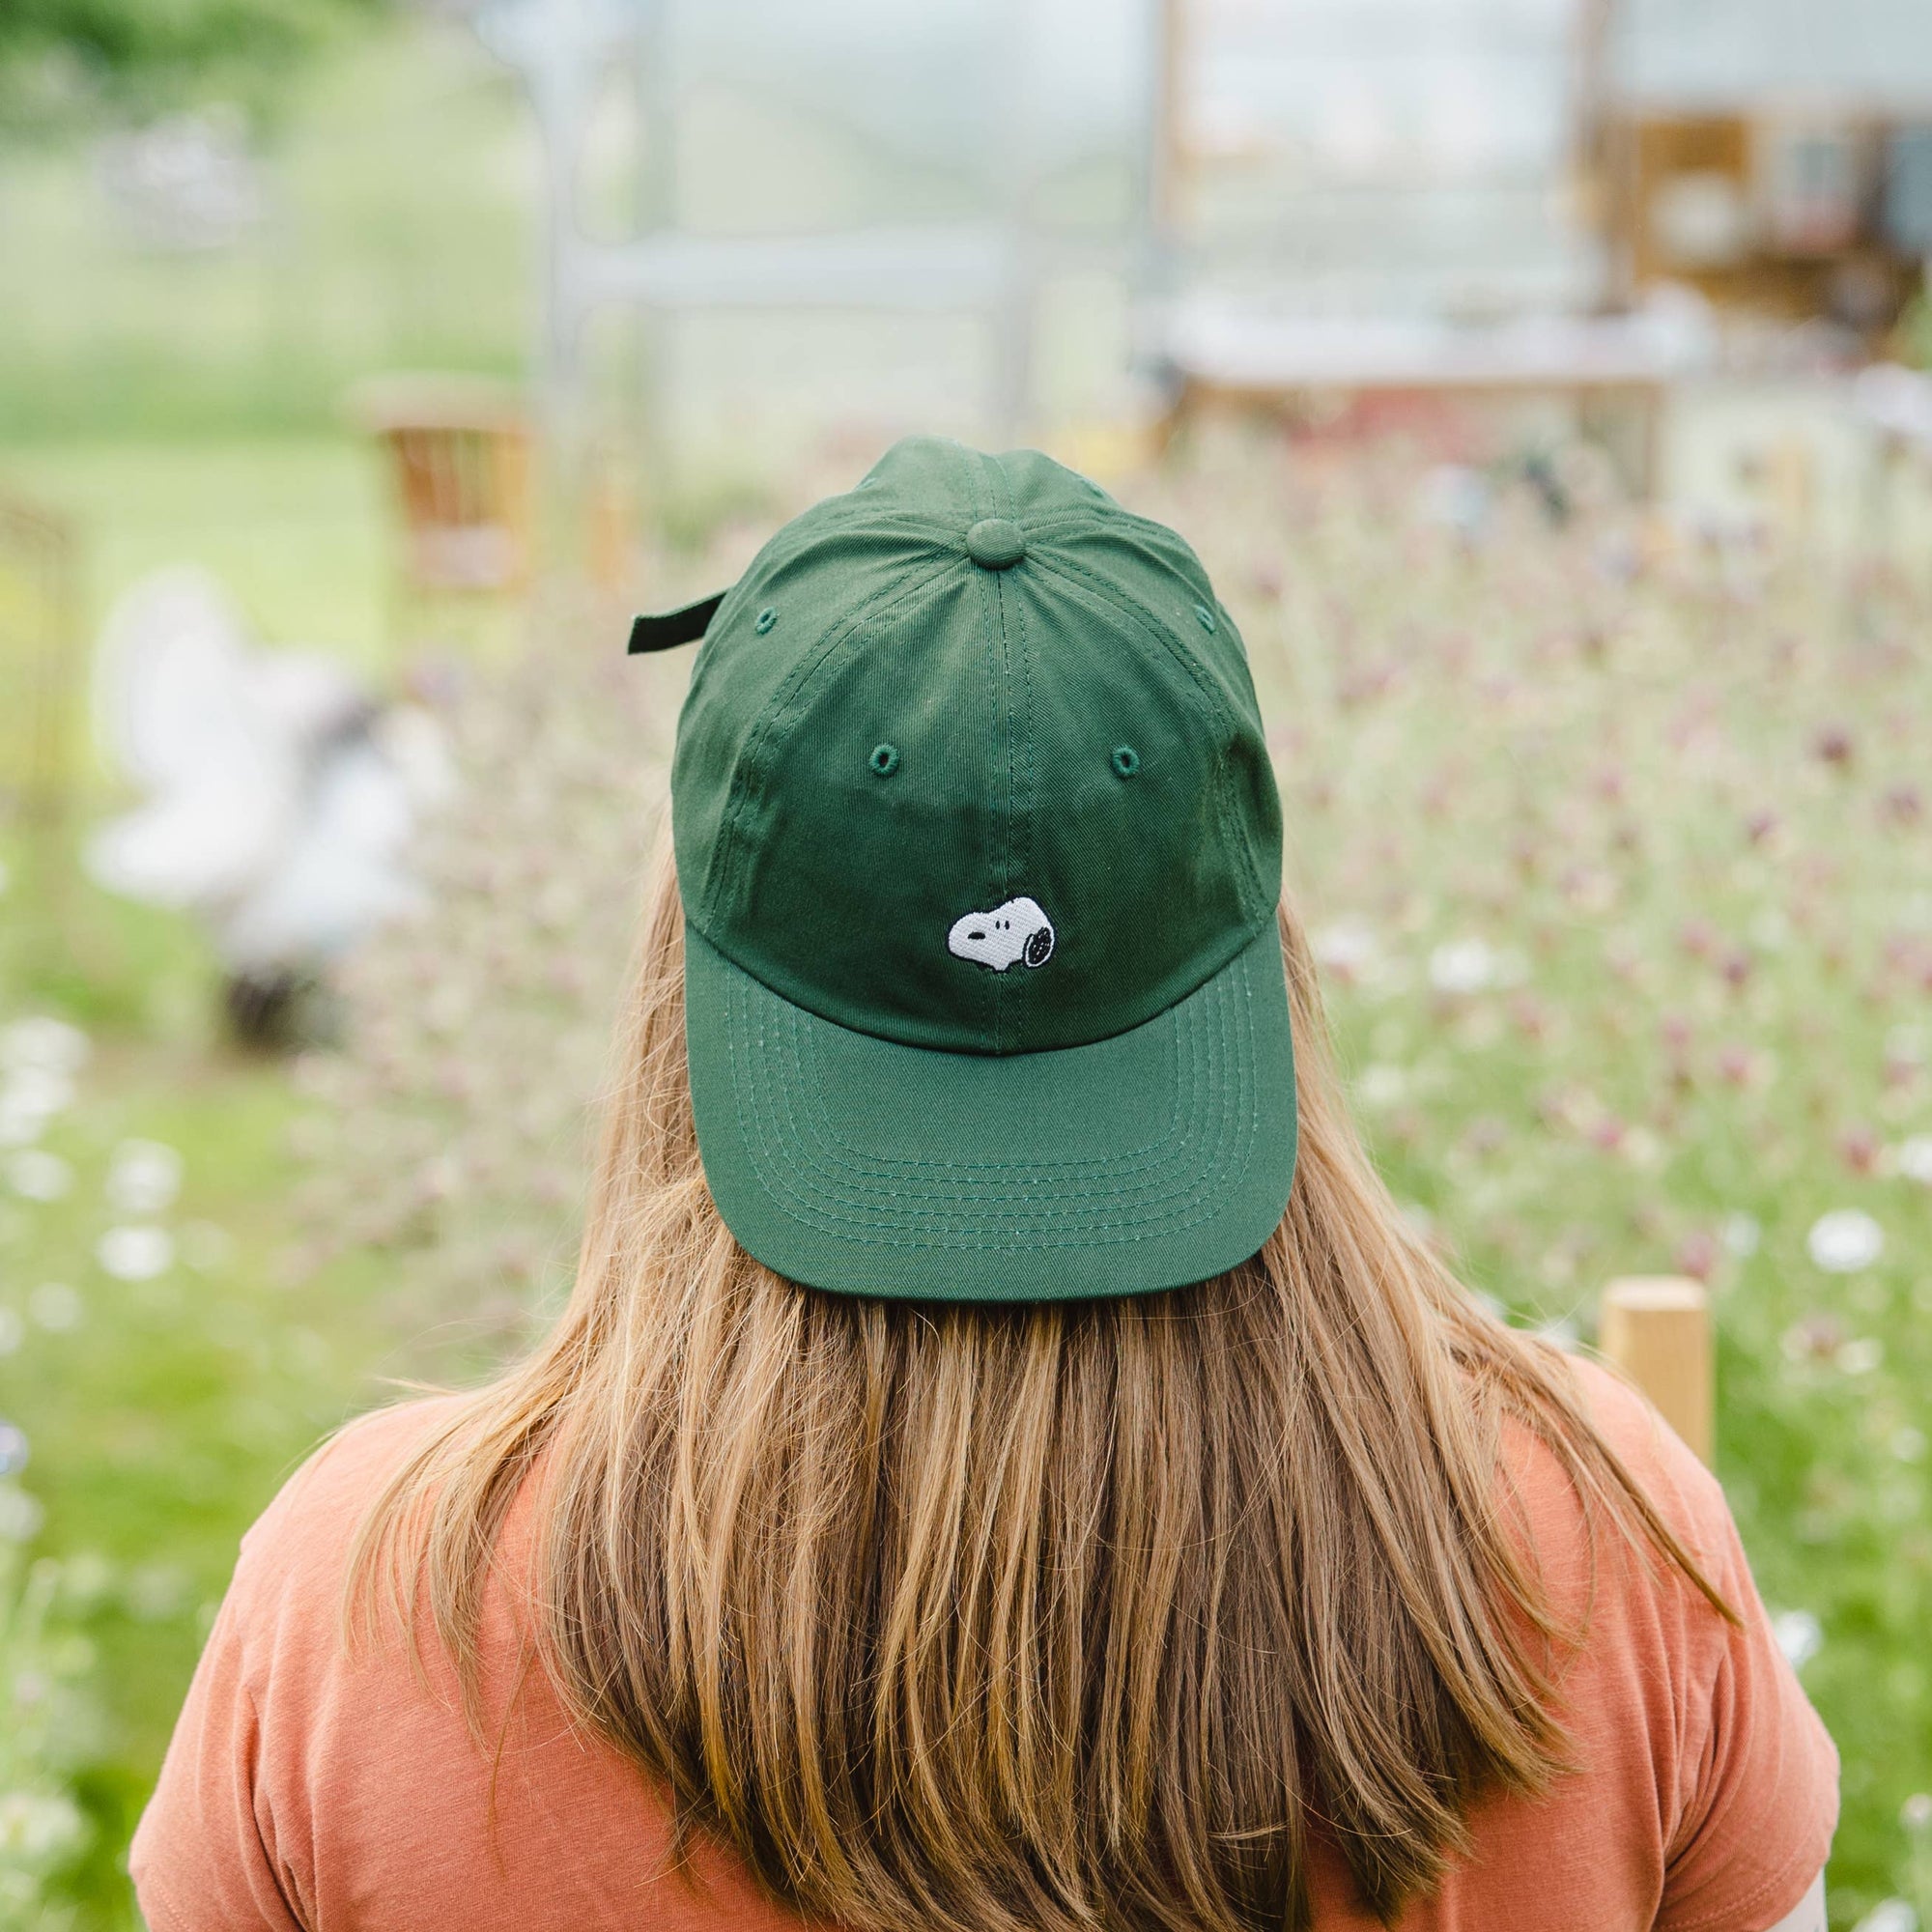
{"x": 1698, "y": 1255}
{"x": 1833, "y": 745}
{"x": 1902, "y": 805}
{"x": 1739, "y": 1065}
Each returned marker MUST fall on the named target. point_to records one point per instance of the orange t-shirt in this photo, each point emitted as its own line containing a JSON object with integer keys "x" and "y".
{"x": 307, "y": 1789}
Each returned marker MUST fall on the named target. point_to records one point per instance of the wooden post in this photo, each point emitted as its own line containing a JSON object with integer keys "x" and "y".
{"x": 1656, "y": 1328}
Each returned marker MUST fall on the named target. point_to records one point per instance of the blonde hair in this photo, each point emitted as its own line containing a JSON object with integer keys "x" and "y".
{"x": 1019, "y": 1618}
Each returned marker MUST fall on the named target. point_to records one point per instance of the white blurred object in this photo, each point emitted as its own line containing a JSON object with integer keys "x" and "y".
{"x": 1889, "y": 1914}
{"x": 136, "y": 1254}
{"x": 281, "y": 797}
{"x": 1701, "y": 219}
{"x": 143, "y": 1178}
{"x": 1459, "y": 499}
{"x": 1845, "y": 1240}
{"x": 1897, "y": 401}
{"x": 1799, "y": 1637}
{"x": 187, "y": 183}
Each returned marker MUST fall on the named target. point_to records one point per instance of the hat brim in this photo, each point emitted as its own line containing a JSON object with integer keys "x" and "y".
{"x": 1161, "y": 1156}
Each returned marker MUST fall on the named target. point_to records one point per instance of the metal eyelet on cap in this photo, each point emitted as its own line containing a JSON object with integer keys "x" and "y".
{"x": 885, "y": 760}
{"x": 1126, "y": 760}
{"x": 1206, "y": 616}
{"x": 766, "y": 619}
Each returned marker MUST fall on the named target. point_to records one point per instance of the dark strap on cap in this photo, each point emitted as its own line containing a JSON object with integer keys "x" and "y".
{"x": 674, "y": 627}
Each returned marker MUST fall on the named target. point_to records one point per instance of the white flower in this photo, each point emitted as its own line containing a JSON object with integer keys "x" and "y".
{"x": 1845, "y": 1240}
{"x": 1741, "y": 1234}
{"x": 1457, "y": 498}
{"x": 1798, "y": 1635}
{"x": 13, "y": 1449}
{"x": 37, "y": 1175}
{"x": 206, "y": 1247}
{"x": 1915, "y": 1158}
{"x": 136, "y": 1254}
{"x": 30, "y": 1096}
{"x": 157, "y": 1590}
{"x": 48, "y": 1044}
{"x": 20, "y": 1515}
{"x": 1382, "y": 1085}
{"x": 1889, "y": 1914}
{"x": 55, "y": 1306}
{"x": 1916, "y": 1813}
{"x": 143, "y": 1178}
{"x": 38, "y": 1825}
{"x": 1861, "y": 1356}
{"x": 1462, "y": 966}
{"x": 1347, "y": 945}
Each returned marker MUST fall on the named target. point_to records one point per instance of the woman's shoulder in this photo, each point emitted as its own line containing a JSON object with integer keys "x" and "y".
{"x": 1684, "y": 1494}
{"x": 1649, "y": 1617}
{"x": 303, "y": 1538}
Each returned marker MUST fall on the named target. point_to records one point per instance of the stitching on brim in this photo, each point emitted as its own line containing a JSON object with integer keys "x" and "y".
{"x": 1095, "y": 1231}
{"x": 1149, "y": 1156}
{"x": 779, "y": 1183}
{"x": 792, "y": 1182}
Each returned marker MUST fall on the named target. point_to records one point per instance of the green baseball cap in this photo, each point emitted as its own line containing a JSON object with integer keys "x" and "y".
{"x": 980, "y": 848}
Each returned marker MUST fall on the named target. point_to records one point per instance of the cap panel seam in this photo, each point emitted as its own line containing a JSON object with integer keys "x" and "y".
{"x": 995, "y": 855}
{"x": 983, "y": 476}
{"x": 1205, "y": 694}
{"x": 1009, "y": 720}
{"x": 806, "y": 533}
{"x": 999, "y": 498}
{"x": 723, "y": 865}
{"x": 1019, "y": 832}
{"x": 1080, "y": 517}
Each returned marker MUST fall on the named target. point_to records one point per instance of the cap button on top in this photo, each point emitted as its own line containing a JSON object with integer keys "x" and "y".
{"x": 994, "y": 543}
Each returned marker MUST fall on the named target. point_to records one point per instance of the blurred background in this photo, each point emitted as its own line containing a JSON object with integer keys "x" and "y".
{"x": 1544, "y": 382}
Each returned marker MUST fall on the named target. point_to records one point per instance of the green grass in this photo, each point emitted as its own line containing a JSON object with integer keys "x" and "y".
{"x": 296, "y": 528}
{"x": 165, "y": 1415}
{"x": 1511, "y": 745}
{"x": 396, "y": 234}
{"x": 188, "y": 409}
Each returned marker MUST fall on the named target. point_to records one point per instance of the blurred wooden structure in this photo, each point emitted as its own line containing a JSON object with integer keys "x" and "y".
{"x": 1780, "y": 214}
{"x": 1430, "y": 336}
{"x": 566, "y": 51}
{"x": 1656, "y": 1328}
{"x": 459, "y": 454}
{"x": 1613, "y": 374}
{"x": 40, "y": 670}
{"x": 1777, "y": 159}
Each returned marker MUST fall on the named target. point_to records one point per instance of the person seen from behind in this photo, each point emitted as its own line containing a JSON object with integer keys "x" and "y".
{"x": 1006, "y": 1464}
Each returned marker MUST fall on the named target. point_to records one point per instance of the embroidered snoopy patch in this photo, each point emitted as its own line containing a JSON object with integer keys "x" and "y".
{"x": 1018, "y": 931}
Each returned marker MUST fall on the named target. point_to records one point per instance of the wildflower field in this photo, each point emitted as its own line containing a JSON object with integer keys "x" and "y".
{"x": 1615, "y": 839}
